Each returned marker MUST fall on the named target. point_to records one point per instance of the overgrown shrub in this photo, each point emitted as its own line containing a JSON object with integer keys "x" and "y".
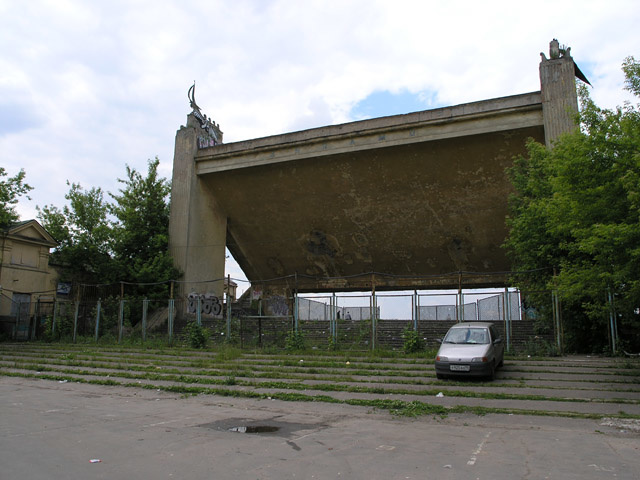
{"x": 412, "y": 341}
{"x": 63, "y": 326}
{"x": 228, "y": 352}
{"x": 364, "y": 332}
{"x": 294, "y": 341}
{"x": 196, "y": 335}
{"x": 539, "y": 347}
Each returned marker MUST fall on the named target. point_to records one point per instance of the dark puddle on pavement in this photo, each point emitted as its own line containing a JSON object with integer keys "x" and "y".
{"x": 265, "y": 426}
{"x": 254, "y": 429}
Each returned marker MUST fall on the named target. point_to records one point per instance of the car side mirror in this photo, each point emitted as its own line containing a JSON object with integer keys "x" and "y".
{"x": 439, "y": 340}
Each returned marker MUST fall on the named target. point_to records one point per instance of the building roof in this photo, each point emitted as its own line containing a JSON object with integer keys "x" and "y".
{"x": 30, "y": 231}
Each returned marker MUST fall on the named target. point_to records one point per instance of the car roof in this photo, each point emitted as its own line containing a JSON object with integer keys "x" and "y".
{"x": 473, "y": 324}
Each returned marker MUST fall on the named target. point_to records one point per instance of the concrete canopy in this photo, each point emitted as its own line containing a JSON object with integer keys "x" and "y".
{"x": 419, "y": 197}
{"x": 409, "y": 195}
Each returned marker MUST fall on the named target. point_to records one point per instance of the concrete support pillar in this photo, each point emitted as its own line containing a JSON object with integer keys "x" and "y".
{"x": 558, "y": 88}
{"x": 197, "y": 226}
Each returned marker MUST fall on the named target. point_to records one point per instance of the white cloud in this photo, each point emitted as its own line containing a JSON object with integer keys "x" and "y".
{"x": 87, "y": 87}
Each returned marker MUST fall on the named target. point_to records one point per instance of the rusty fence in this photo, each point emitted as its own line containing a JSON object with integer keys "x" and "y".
{"x": 360, "y": 321}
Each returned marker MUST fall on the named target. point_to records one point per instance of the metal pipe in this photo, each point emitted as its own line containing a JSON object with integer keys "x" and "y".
{"x": 170, "y": 319}
{"x": 98, "y": 306}
{"x": 373, "y": 312}
{"x": 145, "y": 308}
{"x": 414, "y": 310}
{"x": 75, "y": 320}
{"x": 553, "y": 316}
{"x": 120, "y": 320}
{"x": 506, "y": 323}
{"x": 296, "y": 313}
{"x": 53, "y": 321}
{"x": 611, "y": 322}
{"x": 229, "y": 308}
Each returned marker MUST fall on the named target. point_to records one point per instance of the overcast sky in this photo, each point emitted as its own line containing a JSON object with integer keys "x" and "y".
{"x": 87, "y": 87}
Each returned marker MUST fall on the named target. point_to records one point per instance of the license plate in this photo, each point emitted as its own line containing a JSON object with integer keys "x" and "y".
{"x": 459, "y": 368}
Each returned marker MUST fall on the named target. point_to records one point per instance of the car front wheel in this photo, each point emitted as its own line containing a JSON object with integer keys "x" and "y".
{"x": 492, "y": 372}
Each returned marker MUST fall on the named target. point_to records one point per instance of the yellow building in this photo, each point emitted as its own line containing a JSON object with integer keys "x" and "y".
{"x": 25, "y": 274}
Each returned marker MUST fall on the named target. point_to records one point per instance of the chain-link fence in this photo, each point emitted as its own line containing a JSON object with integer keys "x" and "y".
{"x": 361, "y": 321}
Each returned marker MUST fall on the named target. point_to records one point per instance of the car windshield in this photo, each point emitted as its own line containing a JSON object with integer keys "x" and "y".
{"x": 467, "y": 335}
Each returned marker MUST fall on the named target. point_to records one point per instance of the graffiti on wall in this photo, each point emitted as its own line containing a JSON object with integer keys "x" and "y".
{"x": 278, "y": 306}
{"x": 209, "y": 304}
{"x": 256, "y": 293}
{"x": 205, "y": 142}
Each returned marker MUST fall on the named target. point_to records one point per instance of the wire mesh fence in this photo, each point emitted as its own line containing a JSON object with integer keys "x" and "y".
{"x": 359, "y": 321}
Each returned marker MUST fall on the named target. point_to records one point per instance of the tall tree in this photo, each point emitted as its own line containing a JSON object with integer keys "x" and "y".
{"x": 83, "y": 233}
{"x": 141, "y": 233}
{"x": 11, "y": 190}
{"x": 576, "y": 211}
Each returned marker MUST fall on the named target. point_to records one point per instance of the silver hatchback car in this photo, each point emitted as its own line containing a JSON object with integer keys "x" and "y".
{"x": 470, "y": 349}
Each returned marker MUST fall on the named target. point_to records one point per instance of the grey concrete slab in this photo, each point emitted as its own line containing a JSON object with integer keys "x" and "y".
{"x": 53, "y": 430}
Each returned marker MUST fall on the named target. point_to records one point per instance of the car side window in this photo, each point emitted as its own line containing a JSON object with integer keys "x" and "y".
{"x": 494, "y": 334}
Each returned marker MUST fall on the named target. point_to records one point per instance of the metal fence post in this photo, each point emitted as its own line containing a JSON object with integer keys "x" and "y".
{"x": 507, "y": 315}
{"x": 145, "y": 308}
{"x": 99, "y": 305}
{"x": 170, "y": 313}
{"x": 612, "y": 323}
{"x": 32, "y": 331}
{"x": 335, "y": 321}
{"x": 199, "y": 310}
{"x": 414, "y": 311}
{"x": 120, "y": 321}
{"x": 75, "y": 320}
{"x": 295, "y": 310}
{"x": 53, "y": 320}
{"x": 332, "y": 318}
{"x": 375, "y": 321}
{"x": 229, "y": 316}
{"x": 459, "y": 300}
{"x": 554, "y": 314}
{"x": 560, "y": 327}
{"x": 170, "y": 319}
{"x": 373, "y": 312}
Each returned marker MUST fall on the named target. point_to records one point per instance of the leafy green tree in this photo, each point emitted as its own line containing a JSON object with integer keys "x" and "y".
{"x": 83, "y": 233}
{"x": 576, "y": 212}
{"x": 141, "y": 233}
{"x": 11, "y": 190}
{"x": 124, "y": 241}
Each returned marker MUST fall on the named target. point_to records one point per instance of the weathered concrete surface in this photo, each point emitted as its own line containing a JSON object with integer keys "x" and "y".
{"x": 197, "y": 226}
{"x": 419, "y": 197}
{"x": 418, "y": 194}
{"x": 51, "y": 430}
{"x": 558, "y": 89}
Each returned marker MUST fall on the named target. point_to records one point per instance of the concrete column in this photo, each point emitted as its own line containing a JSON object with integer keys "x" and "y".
{"x": 197, "y": 226}
{"x": 559, "y": 97}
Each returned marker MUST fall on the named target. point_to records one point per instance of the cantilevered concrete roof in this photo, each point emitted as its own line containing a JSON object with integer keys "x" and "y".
{"x": 417, "y": 198}
{"x": 415, "y": 195}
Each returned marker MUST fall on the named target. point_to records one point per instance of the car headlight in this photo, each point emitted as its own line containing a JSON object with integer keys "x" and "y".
{"x": 479, "y": 360}
{"x": 440, "y": 358}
